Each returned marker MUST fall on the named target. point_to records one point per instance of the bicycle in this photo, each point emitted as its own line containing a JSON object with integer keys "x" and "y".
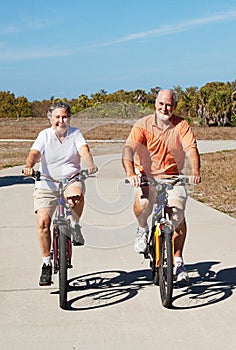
{"x": 160, "y": 247}
{"x": 62, "y": 233}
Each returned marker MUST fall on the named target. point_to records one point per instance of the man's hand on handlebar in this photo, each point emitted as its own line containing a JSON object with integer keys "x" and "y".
{"x": 135, "y": 180}
{"x": 194, "y": 179}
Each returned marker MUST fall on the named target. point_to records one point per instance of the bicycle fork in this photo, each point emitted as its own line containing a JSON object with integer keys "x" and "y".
{"x": 57, "y": 224}
{"x": 162, "y": 228}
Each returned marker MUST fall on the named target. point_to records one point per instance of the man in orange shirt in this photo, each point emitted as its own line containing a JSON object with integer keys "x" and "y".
{"x": 157, "y": 147}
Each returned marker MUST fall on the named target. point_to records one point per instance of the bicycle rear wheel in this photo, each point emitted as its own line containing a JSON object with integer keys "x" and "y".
{"x": 166, "y": 268}
{"x": 62, "y": 242}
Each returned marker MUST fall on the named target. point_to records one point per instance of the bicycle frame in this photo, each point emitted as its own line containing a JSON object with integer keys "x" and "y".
{"x": 160, "y": 249}
{"x": 61, "y": 220}
{"x": 62, "y": 246}
{"x": 160, "y": 219}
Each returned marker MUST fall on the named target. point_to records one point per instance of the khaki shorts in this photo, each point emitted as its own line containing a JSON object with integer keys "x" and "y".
{"x": 48, "y": 199}
{"x": 177, "y": 197}
{"x": 44, "y": 199}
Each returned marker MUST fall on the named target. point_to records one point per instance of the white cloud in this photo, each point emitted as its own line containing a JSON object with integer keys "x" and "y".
{"x": 29, "y": 54}
{"x": 27, "y": 24}
{"x": 172, "y": 28}
{"x": 8, "y": 55}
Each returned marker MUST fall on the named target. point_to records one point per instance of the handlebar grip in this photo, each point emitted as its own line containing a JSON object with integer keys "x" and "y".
{"x": 143, "y": 183}
{"x": 37, "y": 175}
{"x": 84, "y": 173}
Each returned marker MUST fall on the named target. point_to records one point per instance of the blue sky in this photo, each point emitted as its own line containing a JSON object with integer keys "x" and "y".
{"x": 68, "y": 48}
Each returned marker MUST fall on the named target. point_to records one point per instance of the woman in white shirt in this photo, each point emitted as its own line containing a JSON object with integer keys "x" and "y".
{"x": 59, "y": 149}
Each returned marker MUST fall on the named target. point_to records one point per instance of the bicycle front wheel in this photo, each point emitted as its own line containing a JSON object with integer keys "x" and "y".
{"x": 62, "y": 242}
{"x": 166, "y": 268}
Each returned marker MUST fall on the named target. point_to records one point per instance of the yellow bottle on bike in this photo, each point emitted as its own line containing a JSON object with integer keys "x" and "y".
{"x": 157, "y": 244}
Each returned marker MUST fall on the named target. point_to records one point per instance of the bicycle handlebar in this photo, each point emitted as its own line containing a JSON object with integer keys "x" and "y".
{"x": 82, "y": 175}
{"x": 145, "y": 181}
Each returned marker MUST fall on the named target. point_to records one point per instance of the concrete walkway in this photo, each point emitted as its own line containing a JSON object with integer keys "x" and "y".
{"x": 216, "y": 145}
{"x": 112, "y": 302}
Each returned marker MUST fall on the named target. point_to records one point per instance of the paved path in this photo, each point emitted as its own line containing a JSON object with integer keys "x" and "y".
{"x": 112, "y": 302}
{"x": 216, "y": 145}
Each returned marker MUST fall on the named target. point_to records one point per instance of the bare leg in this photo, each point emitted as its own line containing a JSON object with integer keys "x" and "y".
{"x": 77, "y": 205}
{"x": 179, "y": 238}
{"x": 143, "y": 204}
{"x": 44, "y": 234}
{"x": 75, "y": 198}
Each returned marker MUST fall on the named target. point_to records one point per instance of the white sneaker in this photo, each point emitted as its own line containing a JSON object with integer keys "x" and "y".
{"x": 141, "y": 241}
{"x": 181, "y": 273}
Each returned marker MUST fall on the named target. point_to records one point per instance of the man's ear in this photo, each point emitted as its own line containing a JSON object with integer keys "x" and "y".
{"x": 156, "y": 102}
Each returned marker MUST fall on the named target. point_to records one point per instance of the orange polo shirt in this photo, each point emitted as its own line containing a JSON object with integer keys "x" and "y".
{"x": 161, "y": 151}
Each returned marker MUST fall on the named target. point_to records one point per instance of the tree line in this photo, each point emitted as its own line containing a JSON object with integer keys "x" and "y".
{"x": 212, "y": 104}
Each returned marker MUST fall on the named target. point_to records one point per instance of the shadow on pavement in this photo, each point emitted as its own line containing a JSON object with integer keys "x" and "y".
{"x": 106, "y": 288}
{"x": 15, "y": 180}
{"x": 207, "y": 288}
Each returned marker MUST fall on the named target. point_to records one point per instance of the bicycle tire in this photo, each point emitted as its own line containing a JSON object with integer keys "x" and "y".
{"x": 55, "y": 249}
{"x": 62, "y": 242}
{"x": 155, "y": 276}
{"x": 69, "y": 252}
{"x": 166, "y": 268}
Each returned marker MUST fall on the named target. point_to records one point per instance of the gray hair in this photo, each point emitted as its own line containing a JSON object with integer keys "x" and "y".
{"x": 174, "y": 99}
{"x": 59, "y": 104}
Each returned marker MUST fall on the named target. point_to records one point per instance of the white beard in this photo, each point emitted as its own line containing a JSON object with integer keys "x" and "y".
{"x": 163, "y": 117}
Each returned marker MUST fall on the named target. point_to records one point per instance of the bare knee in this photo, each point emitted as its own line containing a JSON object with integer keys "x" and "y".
{"x": 177, "y": 216}
{"x": 142, "y": 211}
{"x": 141, "y": 204}
{"x": 44, "y": 224}
{"x": 75, "y": 201}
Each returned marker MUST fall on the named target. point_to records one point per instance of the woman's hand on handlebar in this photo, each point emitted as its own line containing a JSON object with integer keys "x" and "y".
{"x": 28, "y": 171}
{"x": 92, "y": 169}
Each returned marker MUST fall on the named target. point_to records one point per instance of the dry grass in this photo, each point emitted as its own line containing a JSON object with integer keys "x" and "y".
{"x": 214, "y": 133}
{"x": 218, "y": 187}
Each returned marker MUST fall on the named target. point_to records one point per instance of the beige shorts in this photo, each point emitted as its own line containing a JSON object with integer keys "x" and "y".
{"x": 177, "y": 197}
{"x": 48, "y": 199}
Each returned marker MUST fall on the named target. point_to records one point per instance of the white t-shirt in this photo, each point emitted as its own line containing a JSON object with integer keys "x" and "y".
{"x": 58, "y": 159}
